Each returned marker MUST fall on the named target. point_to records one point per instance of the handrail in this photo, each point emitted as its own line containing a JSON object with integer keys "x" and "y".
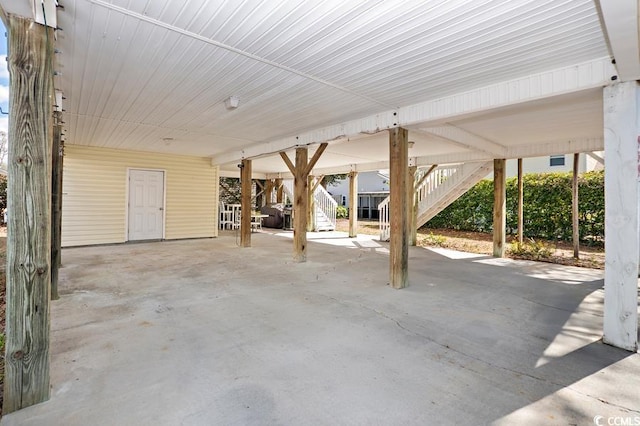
{"x": 326, "y": 204}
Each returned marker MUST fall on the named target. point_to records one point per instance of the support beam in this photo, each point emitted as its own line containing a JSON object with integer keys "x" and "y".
{"x": 30, "y": 59}
{"x": 279, "y": 191}
{"x": 300, "y": 206}
{"x": 268, "y": 191}
{"x": 398, "y": 247}
{"x": 56, "y": 202}
{"x": 621, "y": 24}
{"x": 466, "y": 139}
{"x": 499, "y": 207}
{"x": 520, "y": 203}
{"x": 621, "y": 141}
{"x": 575, "y": 218}
{"x": 353, "y": 204}
{"x": 596, "y": 157}
{"x": 245, "y": 204}
{"x": 412, "y": 208}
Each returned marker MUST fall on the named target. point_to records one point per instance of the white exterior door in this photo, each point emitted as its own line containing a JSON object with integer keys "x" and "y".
{"x": 146, "y": 204}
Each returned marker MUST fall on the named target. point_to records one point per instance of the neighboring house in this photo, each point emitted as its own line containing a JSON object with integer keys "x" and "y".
{"x": 114, "y": 196}
{"x": 373, "y": 187}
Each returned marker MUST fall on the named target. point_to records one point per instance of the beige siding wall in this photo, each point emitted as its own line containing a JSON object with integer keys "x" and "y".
{"x": 94, "y": 202}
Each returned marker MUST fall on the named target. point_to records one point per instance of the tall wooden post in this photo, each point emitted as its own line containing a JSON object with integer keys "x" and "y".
{"x": 26, "y": 380}
{"x": 412, "y": 229}
{"x": 398, "y": 247}
{"x": 311, "y": 205}
{"x": 575, "y": 218}
{"x": 279, "y": 191}
{"x": 520, "y": 202}
{"x": 245, "y": 204}
{"x": 353, "y": 204}
{"x": 499, "y": 207}
{"x": 622, "y": 246}
{"x": 56, "y": 202}
{"x": 268, "y": 191}
{"x": 300, "y": 172}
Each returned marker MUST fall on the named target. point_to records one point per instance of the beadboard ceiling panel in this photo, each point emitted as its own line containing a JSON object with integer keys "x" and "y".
{"x": 150, "y": 75}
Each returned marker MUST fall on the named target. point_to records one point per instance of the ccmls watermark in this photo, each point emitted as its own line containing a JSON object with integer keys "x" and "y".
{"x": 616, "y": 421}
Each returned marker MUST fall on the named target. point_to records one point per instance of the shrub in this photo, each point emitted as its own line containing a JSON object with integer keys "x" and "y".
{"x": 530, "y": 249}
{"x": 547, "y": 207}
{"x": 342, "y": 212}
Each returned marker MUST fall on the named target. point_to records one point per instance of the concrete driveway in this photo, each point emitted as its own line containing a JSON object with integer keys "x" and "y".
{"x": 202, "y": 332}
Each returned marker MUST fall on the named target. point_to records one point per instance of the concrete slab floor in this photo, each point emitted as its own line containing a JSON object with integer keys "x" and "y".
{"x": 202, "y": 332}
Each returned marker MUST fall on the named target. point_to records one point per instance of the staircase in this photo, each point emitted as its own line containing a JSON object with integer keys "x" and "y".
{"x": 441, "y": 188}
{"x": 325, "y": 207}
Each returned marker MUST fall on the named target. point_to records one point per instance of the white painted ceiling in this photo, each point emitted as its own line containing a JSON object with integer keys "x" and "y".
{"x": 153, "y": 75}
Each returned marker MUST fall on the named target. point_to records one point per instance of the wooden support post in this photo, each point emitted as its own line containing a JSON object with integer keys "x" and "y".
{"x": 268, "y": 191}
{"x": 621, "y": 135}
{"x": 353, "y": 204}
{"x": 412, "y": 212}
{"x": 56, "y": 202}
{"x": 398, "y": 247}
{"x": 520, "y": 202}
{"x": 300, "y": 172}
{"x": 279, "y": 191}
{"x": 245, "y": 204}
{"x": 300, "y": 206}
{"x": 499, "y": 207}
{"x": 260, "y": 194}
{"x": 575, "y": 218}
{"x": 28, "y": 274}
{"x": 311, "y": 205}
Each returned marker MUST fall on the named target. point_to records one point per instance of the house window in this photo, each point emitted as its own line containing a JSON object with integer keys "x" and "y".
{"x": 556, "y": 160}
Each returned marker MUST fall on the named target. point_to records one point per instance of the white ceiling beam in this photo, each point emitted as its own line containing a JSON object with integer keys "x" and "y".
{"x": 596, "y": 157}
{"x": 575, "y": 78}
{"x": 540, "y": 149}
{"x": 621, "y": 25}
{"x": 466, "y": 139}
{"x": 331, "y": 134}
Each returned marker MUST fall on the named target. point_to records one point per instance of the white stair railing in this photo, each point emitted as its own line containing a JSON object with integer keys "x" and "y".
{"x": 327, "y": 206}
{"x": 431, "y": 186}
{"x": 287, "y": 186}
{"x": 383, "y": 221}
{"x": 324, "y": 203}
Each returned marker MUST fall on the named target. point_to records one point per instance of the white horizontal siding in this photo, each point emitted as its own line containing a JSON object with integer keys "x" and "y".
{"x": 94, "y": 202}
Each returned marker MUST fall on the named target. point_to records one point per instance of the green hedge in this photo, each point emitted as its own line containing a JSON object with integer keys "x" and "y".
{"x": 547, "y": 207}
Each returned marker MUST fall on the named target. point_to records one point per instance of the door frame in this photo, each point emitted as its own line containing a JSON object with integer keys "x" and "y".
{"x": 164, "y": 199}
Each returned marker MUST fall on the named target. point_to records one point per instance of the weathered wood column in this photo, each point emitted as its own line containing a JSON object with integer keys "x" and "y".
{"x": 621, "y": 135}
{"x": 575, "y": 213}
{"x": 56, "y": 202}
{"x": 353, "y": 204}
{"x": 279, "y": 191}
{"x": 268, "y": 191}
{"x": 30, "y": 57}
{"x": 245, "y": 204}
{"x": 412, "y": 211}
{"x": 499, "y": 207}
{"x": 520, "y": 202}
{"x": 300, "y": 172}
{"x": 398, "y": 247}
